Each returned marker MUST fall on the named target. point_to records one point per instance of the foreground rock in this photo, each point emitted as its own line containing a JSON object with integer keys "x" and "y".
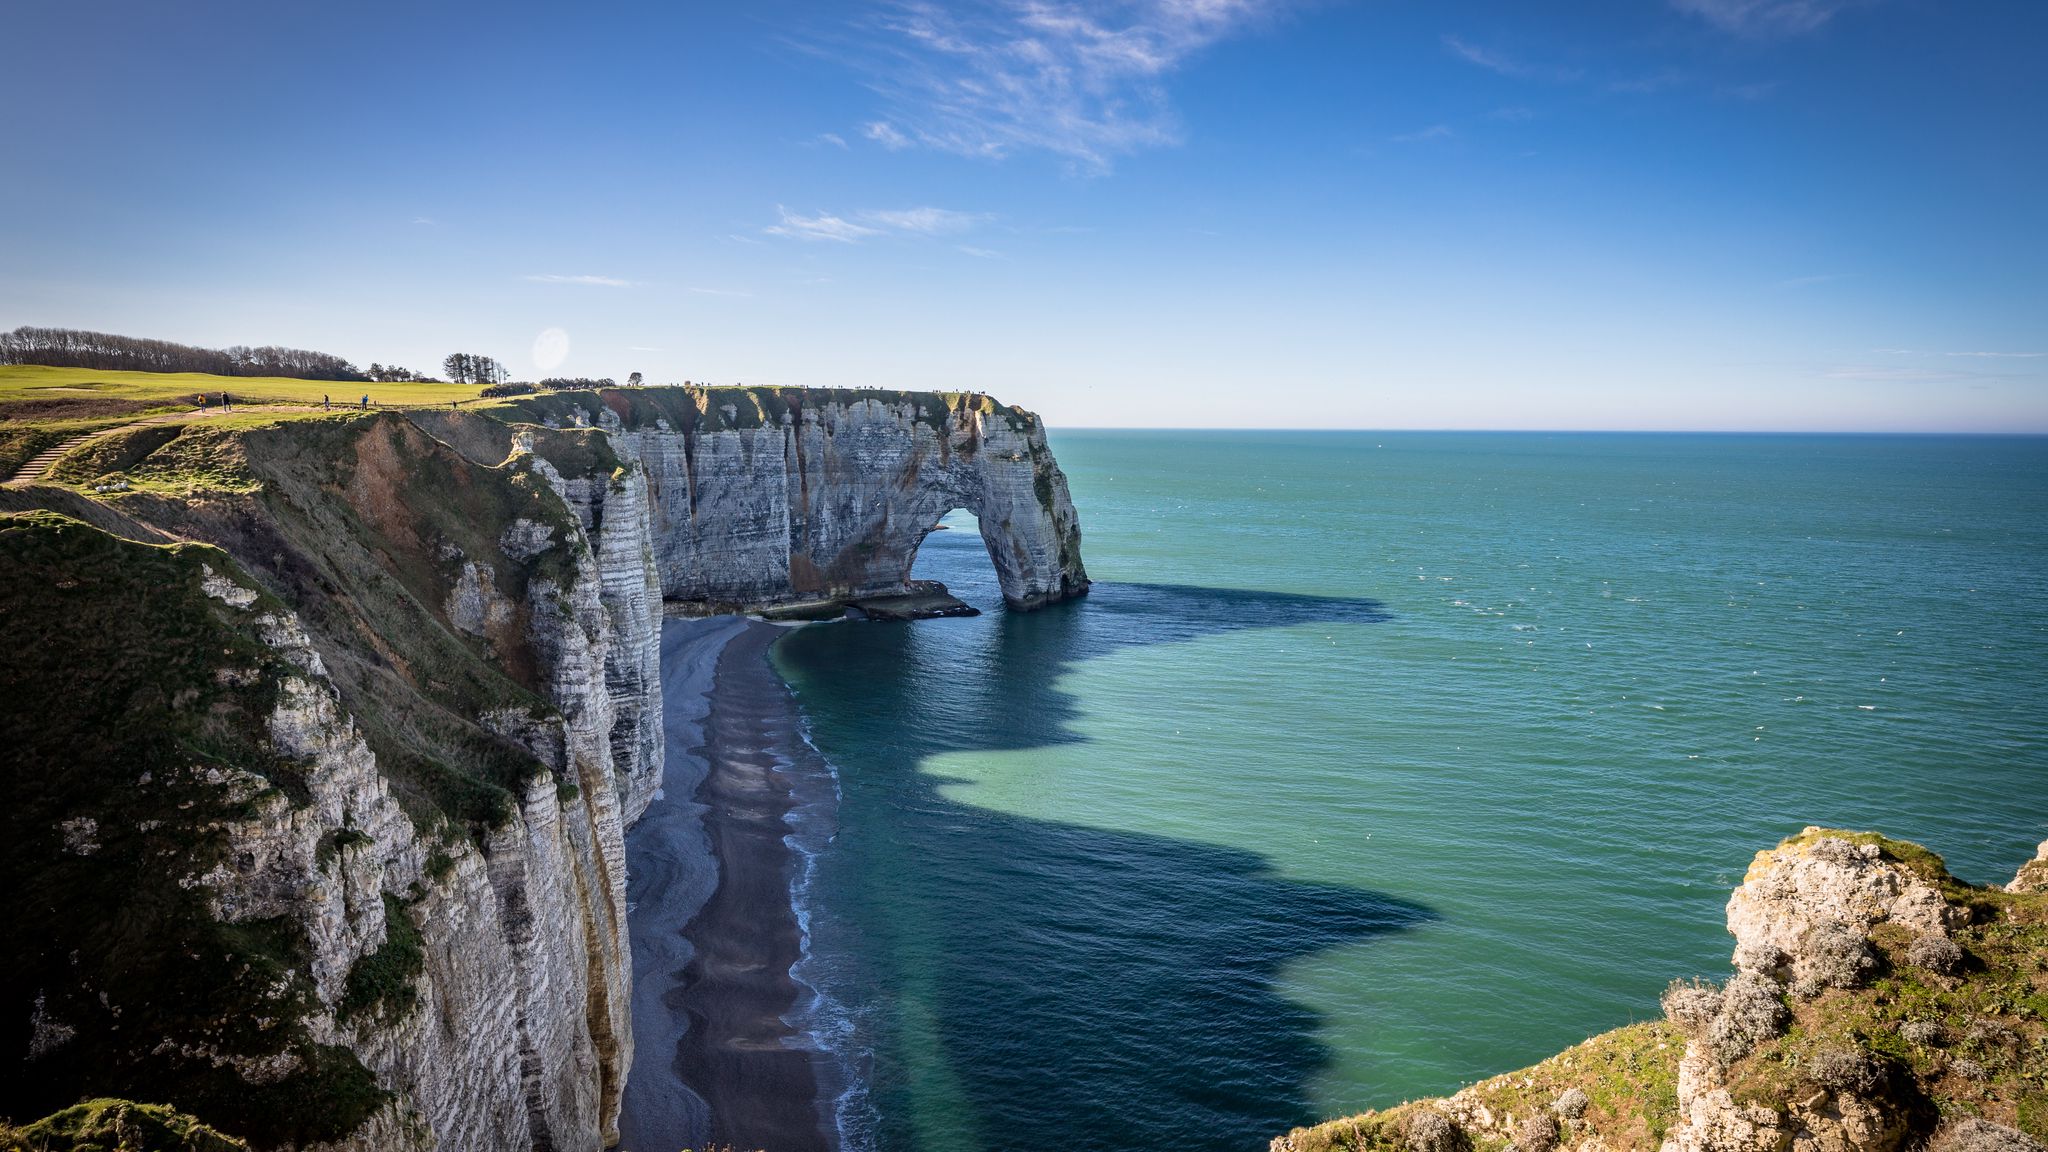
{"x": 1879, "y": 1005}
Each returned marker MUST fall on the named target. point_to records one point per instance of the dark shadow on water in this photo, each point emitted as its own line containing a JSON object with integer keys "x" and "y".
{"x": 1081, "y": 988}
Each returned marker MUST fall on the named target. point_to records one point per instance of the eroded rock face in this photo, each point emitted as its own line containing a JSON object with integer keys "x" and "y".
{"x": 1802, "y": 921}
{"x": 518, "y": 1035}
{"x": 2033, "y": 875}
{"x": 827, "y": 498}
{"x": 1800, "y": 904}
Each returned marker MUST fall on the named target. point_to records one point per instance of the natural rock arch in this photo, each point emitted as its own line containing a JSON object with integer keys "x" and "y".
{"x": 763, "y": 498}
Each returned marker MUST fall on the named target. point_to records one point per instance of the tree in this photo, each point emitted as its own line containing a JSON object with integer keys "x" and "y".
{"x": 72, "y": 348}
{"x": 633, "y": 380}
{"x": 469, "y": 368}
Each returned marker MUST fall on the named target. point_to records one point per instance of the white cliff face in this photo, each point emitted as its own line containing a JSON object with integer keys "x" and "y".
{"x": 830, "y": 500}
{"x": 519, "y": 1034}
{"x": 616, "y": 517}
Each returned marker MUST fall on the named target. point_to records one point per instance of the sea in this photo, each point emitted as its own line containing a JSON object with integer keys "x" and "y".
{"x": 1377, "y": 763}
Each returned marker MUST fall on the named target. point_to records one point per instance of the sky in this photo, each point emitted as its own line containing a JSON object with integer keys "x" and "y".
{"x": 1633, "y": 214}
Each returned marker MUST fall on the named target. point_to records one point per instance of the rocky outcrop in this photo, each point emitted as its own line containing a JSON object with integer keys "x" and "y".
{"x": 762, "y": 498}
{"x": 2033, "y": 875}
{"x": 1878, "y": 1005}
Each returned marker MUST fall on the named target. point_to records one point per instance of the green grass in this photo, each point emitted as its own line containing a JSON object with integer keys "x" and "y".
{"x": 1630, "y": 1077}
{"x": 384, "y": 985}
{"x": 34, "y": 382}
{"x": 106, "y": 1125}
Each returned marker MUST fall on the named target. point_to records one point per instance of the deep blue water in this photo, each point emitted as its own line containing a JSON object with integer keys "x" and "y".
{"x": 1380, "y": 762}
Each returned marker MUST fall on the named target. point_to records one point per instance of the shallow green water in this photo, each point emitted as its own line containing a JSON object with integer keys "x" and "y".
{"x": 1379, "y": 762}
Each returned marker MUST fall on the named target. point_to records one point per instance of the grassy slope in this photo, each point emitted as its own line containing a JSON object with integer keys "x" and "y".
{"x": 126, "y": 750}
{"x": 1991, "y": 1062}
{"x": 20, "y": 382}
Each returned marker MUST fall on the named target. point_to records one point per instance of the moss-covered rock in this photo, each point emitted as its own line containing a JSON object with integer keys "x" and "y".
{"x": 107, "y": 1125}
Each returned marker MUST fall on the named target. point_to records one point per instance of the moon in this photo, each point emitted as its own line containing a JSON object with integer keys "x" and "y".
{"x": 550, "y": 348}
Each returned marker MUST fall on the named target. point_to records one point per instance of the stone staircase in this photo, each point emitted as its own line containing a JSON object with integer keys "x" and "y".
{"x": 40, "y": 465}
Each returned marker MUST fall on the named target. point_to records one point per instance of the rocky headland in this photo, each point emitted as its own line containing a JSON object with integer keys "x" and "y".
{"x": 326, "y": 732}
{"x": 1878, "y": 1004}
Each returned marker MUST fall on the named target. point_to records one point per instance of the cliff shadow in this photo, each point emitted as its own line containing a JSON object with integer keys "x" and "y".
{"x": 1025, "y": 983}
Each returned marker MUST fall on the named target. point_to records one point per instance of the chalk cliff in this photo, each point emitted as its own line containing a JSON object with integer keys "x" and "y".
{"x": 326, "y": 732}
{"x": 765, "y": 497}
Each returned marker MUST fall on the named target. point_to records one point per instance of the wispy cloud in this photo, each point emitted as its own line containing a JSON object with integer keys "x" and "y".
{"x": 427, "y": 220}
{"x": 884, "y": 133}
{"x": 1902, "y": 375}
{"x": 1972, "y": 355}
{"x": 928, "y": 221}
{"x": 980, "y": 253}
{"x": 990, "y": 78}
{"x": 1433, "y": 132}
{"x": 820, "y": 227}
{"x": 586, "y": 281}
{"x": 1757, "y": 91}
{"x": 1763, "y": 18}
{"x": 872, "y": 222}
{"x": 1500, "y": 62}
{"x": 1648, "y": 85}
{"x": 832, "y": 138}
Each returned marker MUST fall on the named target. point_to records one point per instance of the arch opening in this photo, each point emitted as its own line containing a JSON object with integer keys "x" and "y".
{"x": 955, "y": 555}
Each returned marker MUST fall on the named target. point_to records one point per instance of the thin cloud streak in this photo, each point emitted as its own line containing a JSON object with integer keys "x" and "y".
{"x": 873, "y": 222}
{"x": 928, "y": 221}
{"x": 1503, "y": 65}
{"x": 994, "y": 78}
{"x": 585, "y": 281}
{"x": 1765, "y": 18}
{"x": 820, "y": 227}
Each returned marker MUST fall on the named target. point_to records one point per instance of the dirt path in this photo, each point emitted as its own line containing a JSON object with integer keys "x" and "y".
{"x": 39, "y": 466}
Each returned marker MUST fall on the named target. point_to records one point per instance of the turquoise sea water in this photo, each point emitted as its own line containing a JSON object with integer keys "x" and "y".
{"x": 1380, "y": 762}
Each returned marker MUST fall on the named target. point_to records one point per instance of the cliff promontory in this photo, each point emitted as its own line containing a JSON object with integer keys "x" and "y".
{"x": 1878, "y": 1004}
{"x": 765, "y": 498}
{"x": 324, "y": 731}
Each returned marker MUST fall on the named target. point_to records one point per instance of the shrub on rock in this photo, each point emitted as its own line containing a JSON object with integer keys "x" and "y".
{"x": 1431, "y": 1131}
{"x": 1936, "y": 953}
{"x": 1983, "y": 1136}
{"x": 1691, "y": 1004}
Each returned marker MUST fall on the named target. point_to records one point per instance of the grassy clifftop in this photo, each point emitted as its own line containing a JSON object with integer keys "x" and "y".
{"x": 714, "y": 408}
{"x": 1875, "y": 1032}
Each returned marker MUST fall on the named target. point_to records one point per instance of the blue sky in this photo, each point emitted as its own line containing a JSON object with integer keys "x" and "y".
{"x": 1714, "y": 214}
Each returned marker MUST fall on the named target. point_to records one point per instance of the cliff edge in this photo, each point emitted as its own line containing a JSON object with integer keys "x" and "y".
{"x": 1878, "y": 1004}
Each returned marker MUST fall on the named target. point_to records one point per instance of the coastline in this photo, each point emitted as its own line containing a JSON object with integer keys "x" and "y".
{"x": 715, "y": 929}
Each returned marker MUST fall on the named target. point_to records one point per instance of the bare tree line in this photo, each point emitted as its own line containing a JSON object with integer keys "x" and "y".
{"x": 469, "y": 368}
{"x": 73, "y": 348}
